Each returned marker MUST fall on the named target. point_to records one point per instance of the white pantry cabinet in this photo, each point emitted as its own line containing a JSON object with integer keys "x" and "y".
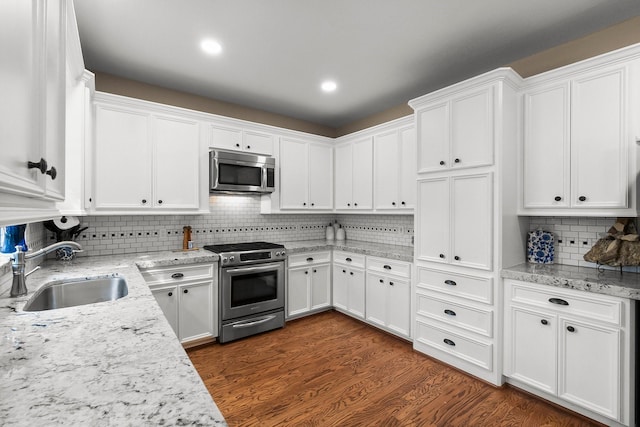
{"x": 466, "y": 221}
{"x": 395, "y": 169}
{"x": 579, "y": 149}
{"x": 188, "y": 297}
{"x": 354, "y": 175}
{"x": 308, "y": 283}
{"x": 572, "y": 347}
{"x": 349, "y": 283}
{"x": 32, "y": 107}
{"x": 306, "y": 175}
{"x": 144, "y": 159}
{"x": 237, "y": 139}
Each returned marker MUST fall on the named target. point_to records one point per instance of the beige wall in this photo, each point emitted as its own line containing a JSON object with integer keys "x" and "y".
{"x": 615, "y": 37}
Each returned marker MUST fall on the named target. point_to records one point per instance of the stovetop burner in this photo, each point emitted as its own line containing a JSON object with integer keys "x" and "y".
{"x": 239, "y": 247}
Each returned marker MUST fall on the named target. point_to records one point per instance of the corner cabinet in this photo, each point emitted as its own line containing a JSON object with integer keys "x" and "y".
{"x": 308, "y": 283}
{"x": 579, "y": 147}
{"x": 158, "y": 151}
{"x": 306, "y": 175}
{"x": 466, "y": 221}
{"x": 32, "y": 170}
{"x": 571, "y": 347}
{"x": 395, "y": 169}
{"x": 349, "y": 283}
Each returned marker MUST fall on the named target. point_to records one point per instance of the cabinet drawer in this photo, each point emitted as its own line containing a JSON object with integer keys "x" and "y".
{"x": 474, "y": 288}
{"x": 452, "y": 313}
{"x": 388, "y": 266}
{"x": 177, "y": 274}
{"x": 309, "y": 258}
{"x": 349, "y": 259}
{"x": 597, "y": 307}
{"x": 477, "y": 352}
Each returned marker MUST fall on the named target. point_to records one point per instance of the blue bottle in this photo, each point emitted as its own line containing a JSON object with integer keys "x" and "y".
{"x": 13, "y": 236}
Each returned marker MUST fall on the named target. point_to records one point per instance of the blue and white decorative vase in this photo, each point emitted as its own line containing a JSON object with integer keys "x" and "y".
{"x": 65, "y": 253}
{"x": 540, "y": 248}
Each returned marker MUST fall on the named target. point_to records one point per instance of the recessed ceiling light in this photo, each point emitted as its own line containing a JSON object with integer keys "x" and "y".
{"x": 212, "y": 47}
{"x": 329, "y": 86}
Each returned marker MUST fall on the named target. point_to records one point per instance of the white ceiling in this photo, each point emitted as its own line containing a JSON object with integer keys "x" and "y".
{"x": 276, "y": 52}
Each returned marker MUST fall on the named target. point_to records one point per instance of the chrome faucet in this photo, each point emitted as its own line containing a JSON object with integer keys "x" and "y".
{"x": 19, "y": 258}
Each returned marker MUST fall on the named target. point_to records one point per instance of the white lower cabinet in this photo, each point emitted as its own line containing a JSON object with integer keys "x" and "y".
{"x": 188, "y": 297}
{"x": 571, "y": 347}
{"x": 349, "y": 283}
{"x": 388, "y": 295}
{"x": 308, "y": 283}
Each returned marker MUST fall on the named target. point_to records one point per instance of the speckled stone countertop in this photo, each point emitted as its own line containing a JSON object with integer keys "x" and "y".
{"x": 115, "y": 363}
{"x": 402, "y": 253}
{"x": 607, "y": 282}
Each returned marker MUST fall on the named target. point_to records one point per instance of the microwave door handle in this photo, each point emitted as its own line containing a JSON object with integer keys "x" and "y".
{"x": 263, "y": 185}
{"x": 216, "y": 176}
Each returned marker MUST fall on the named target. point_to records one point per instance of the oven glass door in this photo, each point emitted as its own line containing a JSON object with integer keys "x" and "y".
{"x": 251, "y": 289}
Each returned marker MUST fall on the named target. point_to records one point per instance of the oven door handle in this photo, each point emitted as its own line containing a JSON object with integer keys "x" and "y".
{"x": 248, "y": 324}
{"x": 256, "y": 269}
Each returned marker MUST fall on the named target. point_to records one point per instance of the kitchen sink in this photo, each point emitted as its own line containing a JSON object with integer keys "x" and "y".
{"x": 77, "y": 291}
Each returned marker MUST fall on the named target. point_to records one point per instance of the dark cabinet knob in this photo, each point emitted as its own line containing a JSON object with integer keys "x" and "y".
{"x": 544, "y": 321}
{"x": 306, "y": 272}
{"x": 571, "y": 329}
{"x": 315, "y": 271}
{"x": 186, "y": 291}
{"x": 447, "y": 341}
{"x": 582, "y": 198}
{"x": 351, "y": 273}
{"x": 457, "y": 160}
{"x": 391, "y": 283}
{"x": 304, "y": 204}
{"x": 441, "y": 256}
{"x": 450, "y": 283}
{"x": 52, "y": 172}
{"x": 381, "y": 281}
{"x": 170, "y": 294}
{"x": 344, "y": 271}
{"x": 160, "y": 201}
{"x": 393, "y": 203}
{"x": 248, "y": 147}
{"x": 557, "y": 198}
{"x": 313, "y": 204}
{"x": 144, "y": 201}
{"x": 355, "y": 204}
{"x": 349, "y": 204}
{"x": 441, "y": 162}
{"x": 450, "y": 312}
{"x": 41, "y": 165}
{"x": 238, "y": 145}
{"x": 177, "y": 275}
{"x": 403, "y": 203}
{"x": 457, "y": 258}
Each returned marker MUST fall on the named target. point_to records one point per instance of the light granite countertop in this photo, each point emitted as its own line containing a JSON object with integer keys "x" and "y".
{"x": 607, "y": 282}
{"x": 114, "y": 363}
{"x": 401, "y": 253}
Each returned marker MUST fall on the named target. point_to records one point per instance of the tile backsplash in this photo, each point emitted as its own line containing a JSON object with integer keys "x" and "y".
{"x": 574, "y": 237}
{"x": 232, "y": 219}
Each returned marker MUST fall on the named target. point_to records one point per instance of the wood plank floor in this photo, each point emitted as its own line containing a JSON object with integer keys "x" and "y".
{"x": 331, "y": 370}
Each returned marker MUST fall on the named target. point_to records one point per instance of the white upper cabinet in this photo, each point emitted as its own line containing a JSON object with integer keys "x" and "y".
{"x": 354, "y": 174}
{"x": 579, "y": 153}
{"x": 144, "y": 160}
{"x": 395, "y": 169}
{"x": 306, "y": 175}
{"x": 232, "y": 138}
{"x": 32, "y": 106}
{"x": 457, "y": 133}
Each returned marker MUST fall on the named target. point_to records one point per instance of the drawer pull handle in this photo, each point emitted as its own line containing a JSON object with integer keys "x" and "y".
{"x": 558, "y": 301}
{"x": 387, "y": 267}
{"x": 571, "y": 329}
{"x": 450, "y": 312}
{"x": 450, "y": 282}
{"x": 447, "y": 341}
{"x": 544, "y": 321}
{"x": 348, "y": 259}
{"x": 309, "y": 259}
{"x": 177, "y": 275}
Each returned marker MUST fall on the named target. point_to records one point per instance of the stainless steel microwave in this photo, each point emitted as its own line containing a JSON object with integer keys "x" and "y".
{"x": 234, "y": 172}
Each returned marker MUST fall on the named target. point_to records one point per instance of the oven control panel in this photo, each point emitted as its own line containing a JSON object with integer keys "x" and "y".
{"x": 252, "y": 257}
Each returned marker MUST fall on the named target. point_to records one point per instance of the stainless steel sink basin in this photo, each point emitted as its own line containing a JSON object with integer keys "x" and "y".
{"x": 80, "y": 291}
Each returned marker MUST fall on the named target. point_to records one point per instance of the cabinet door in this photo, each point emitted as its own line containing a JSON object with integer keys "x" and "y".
{"x": 294, "y": 174}
{"x": 589, "y": 372}
{"x": 167, "y": 299}
{"x": 320, "y": 176}
{"x": 472, "y": 221}
{"x": 531, "y": 348}
{"x": 376, "y": 299}
{"x": 122, "y": 159}
{"x": 399, "y": 306}
{"x": 195, "y": 311}
{"x": 433, "y": 146}
{"x": 176, "y": 163}
{"x": 344, "y": 176}
{"x": 387, "y": 162}
{"x": 546, "y": 148}
{"x": 356, "y": 293}
{"x": 320, "y": 286}
{"x": 432, "y": 220}
{"x": 362, "y": 174}
{"x": 256, "y": 142}
{"x": 298, "y": 291}
{"x": 599, "y": 158}
{"x": 472, "y": 129}
{"x": 340, "y": 285}
{"x": 225, "y": 138}
{"x": 408, "y": 168}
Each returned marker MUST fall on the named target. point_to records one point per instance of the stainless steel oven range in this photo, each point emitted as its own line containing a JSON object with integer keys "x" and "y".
{"x": 251, "y": 288}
